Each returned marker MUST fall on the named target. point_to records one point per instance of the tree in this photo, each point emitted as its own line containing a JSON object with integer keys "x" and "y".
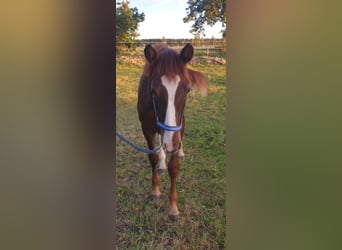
{"x": 205, "y": 12}
{"x": 127, "y": 21}
{"x": 212, "y": 41}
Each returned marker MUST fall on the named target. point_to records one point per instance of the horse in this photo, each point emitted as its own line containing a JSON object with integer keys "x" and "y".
{"x": 163, "y": 88}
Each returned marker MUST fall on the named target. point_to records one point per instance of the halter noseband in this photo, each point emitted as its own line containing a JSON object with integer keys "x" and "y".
{"x": 163, "y": 125}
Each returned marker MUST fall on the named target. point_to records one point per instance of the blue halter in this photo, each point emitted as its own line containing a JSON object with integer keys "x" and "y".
{"x": 163, "y": 125}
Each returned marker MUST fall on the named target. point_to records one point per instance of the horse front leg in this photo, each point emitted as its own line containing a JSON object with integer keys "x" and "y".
{"x": 154, "y": 159}
{"x": 173, "y": 169}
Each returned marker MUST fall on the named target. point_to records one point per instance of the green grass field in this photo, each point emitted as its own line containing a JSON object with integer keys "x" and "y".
{"x": 143, "y": 224}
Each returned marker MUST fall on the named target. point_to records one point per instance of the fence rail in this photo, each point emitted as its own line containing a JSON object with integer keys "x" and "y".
{"x": 210, "y": 50}
{"x": 173, "y": 42}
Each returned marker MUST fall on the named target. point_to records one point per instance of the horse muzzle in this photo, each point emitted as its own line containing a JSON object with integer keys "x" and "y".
{"x": 172, "y": 146}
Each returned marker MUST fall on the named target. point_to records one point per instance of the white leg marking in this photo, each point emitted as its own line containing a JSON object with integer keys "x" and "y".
{"x": 170, "y": 119}
{"x": 181, "y": 152}
{"x": 173, "y": 210}
{"x": 162, "y": 157}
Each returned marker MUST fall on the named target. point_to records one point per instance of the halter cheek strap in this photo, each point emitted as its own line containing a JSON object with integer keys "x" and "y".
{"x": 163, "y": 125}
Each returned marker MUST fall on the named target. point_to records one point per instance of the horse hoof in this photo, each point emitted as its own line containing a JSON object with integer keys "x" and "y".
{"x": 174, "y": 217}
{"x": 161, "y": 171}
{"x": 153, "y": 197}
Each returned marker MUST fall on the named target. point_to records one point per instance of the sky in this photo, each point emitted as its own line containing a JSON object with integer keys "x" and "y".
{"x": 165, "y": 18}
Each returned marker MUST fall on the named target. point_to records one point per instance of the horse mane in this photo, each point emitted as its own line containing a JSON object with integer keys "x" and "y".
{"x": 159, "y": 47}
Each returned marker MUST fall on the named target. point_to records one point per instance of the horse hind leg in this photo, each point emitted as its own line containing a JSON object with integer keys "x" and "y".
{"x": 162, "y": 157}
{"x": 181, "y": 152}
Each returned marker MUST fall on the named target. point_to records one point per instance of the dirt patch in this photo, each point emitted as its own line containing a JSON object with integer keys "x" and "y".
{"x": 133, "y": 60}
{"x": 208, "y": 60}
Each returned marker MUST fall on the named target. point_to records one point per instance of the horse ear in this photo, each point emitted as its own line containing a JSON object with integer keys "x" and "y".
{"x": 150, "y": 53}
{"x": 187, "y": 53}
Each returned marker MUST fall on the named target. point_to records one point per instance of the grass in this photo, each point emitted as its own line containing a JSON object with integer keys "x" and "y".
{"x": 143, "y": 224}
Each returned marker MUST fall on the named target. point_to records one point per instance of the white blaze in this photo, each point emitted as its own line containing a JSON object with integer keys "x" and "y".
{"x": 170, "y": 118}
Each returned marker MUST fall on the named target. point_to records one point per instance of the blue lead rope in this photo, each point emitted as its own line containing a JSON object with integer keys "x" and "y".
{"x": 161, "y": 125}
{"x": 141, "y": 149}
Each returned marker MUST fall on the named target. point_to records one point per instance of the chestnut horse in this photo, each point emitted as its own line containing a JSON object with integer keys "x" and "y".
{"x": 162, "y": 92}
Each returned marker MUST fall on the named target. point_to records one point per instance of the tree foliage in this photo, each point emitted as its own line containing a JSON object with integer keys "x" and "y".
{"x": 203, "y": 12}
{"x": 127, "y": 21}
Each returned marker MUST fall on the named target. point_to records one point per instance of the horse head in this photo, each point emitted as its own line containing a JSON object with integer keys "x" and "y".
{"x": 170, "y": 81}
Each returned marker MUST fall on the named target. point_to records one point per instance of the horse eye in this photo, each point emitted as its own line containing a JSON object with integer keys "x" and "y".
{"x": 188, "y": 90}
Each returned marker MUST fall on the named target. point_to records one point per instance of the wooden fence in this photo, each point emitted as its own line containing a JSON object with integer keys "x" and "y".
{"x": 206, "y": 49}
